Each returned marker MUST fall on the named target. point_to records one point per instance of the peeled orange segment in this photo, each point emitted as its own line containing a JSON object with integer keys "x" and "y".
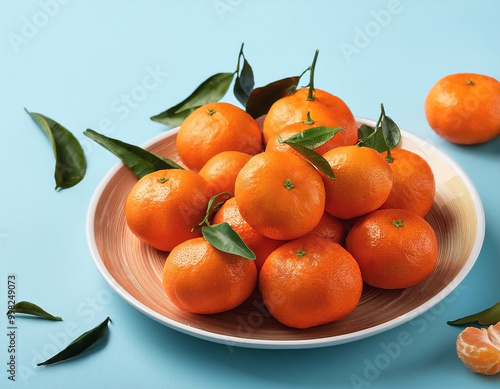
{"x": 479, "y": 349}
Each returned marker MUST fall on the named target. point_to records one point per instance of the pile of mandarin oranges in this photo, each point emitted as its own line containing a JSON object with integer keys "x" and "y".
{"x": 317, "y": 240}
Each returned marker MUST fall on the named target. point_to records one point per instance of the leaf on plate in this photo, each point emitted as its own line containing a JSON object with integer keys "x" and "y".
{"x": 262, "y": 98}
{"x": 224, "y": 238}
{"x": 137, "y": 159}
{"x": 80, "y": 344}
{"x": 487, "y": 317}
{"x": 32, "y": 309}
{"x": 244, "y": 82}
{"x": 70, "y": 158}
{"x": 209, "y": 91}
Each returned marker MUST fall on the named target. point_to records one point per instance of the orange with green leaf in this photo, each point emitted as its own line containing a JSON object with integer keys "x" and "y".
{"x": 322, "y": 106}
{"x": 199, "y": 278}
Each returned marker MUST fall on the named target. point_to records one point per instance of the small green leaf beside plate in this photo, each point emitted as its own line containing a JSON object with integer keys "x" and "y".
{"x": 70, "y": 158}
{"x": 489, "y": 316}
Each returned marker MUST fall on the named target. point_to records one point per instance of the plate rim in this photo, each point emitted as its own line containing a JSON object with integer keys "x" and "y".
{"x": 290, "y": 344}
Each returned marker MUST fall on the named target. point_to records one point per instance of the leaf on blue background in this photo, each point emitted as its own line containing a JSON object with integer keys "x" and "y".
{"x": 137, "y": 159}
{"x": 32, "y": 309}
{"x": 70, "y": 158}
{"x": 489, "y": 316}
{"x": 209, "y": 91}
{"x": 244, "y": 83}
{"x": 80, "y": 344}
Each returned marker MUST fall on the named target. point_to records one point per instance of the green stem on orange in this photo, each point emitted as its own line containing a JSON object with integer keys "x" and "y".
{"x": 308, "y": 120}
{"x": 310, "y": 95}
{"x": 288, "y": 184}
{"x": 398, "y": 223}
{"x": 300, "y": 253}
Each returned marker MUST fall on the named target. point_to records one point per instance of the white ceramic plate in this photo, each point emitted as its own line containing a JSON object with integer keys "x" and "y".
{"x": 133, "y": 270}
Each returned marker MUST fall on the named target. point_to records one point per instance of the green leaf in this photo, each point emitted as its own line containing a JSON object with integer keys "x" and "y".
{"x": 32, "y": 309}
{"x": 244, "y": 83}
{"x": 316, "y": 159}
{"x": 313, "y": 137}
{"x": 305, "y": 141}
{"x": 489, "y": 316}
{"x": 224, "y": 238}
{"x": 213, "y": 206}
{"x": 391, "y": 132}
{"x": 371, "y": 138}
{"x": 80, "y": 344}
{"x": 209, "y": 91}
{"x": 137, "y": 159}
{"x": 261, "y": 99}
{"x": 70, "y": 158}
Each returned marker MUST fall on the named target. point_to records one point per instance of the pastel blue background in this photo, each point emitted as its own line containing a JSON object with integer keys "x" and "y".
{"x": 77, "y": 61}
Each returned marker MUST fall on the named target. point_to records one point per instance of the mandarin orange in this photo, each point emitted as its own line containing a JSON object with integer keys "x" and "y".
{"x": 363, "y": 181}
{"x": 199, "y": 278}
{"x": 289, "y": 130}
{"x": 258, "y": 243}
{"x": 464, "y": 108}
{"x": 310, "y": 281}
{"x": 394, "y": 248}
{"x": 414, "y": 185}
{"x": 281, "y": 195}
{"x": 163, "y": 207}
{"x": 479, "y": 349}
{"x": 214, "y": 128}
{"x": 324, "y": 107}
{"x": 221, "y": 170}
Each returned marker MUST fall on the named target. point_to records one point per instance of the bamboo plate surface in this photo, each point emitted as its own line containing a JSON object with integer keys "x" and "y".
{"x": 133, "y": 270}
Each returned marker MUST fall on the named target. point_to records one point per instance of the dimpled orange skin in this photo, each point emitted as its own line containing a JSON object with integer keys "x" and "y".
{"x": 392, "y": 257}
{"x": 214, "y": 128}
{"x": 310, "y": 281}
{"x": 281, "y": 195}
{"x": 221, "y": 170}
{"x": 163, "y": 207}
{"x": 363, "y": 181}
{"x": 464, "y": 108}
{"x": 325, "y": 107}
{"x": 479, "y": 349}
{"x": 198, "y": 278}
{"x": 258, "y": 243}
{"x": 331, "y": 228}
{"x": 414, "y": 186}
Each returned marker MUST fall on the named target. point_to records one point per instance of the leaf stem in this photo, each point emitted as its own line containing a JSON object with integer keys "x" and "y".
{"x": 310, "y": 96}
{"x": 375, "y": 129}
{"x": 239, "y": 57}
